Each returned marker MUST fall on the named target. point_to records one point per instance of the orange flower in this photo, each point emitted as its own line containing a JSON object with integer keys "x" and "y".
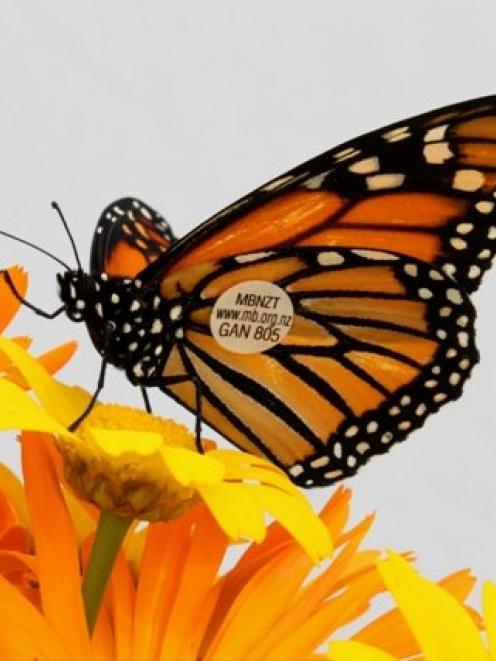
{"x": 176, "y": 606}
{"x": 52, "y": 360}
{"x": 168, "y": 599}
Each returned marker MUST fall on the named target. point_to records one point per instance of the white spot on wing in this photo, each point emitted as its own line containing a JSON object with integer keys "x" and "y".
{"x": 319, "y": 462}
{"x": 346, "y": 154}
{"x": 315, "y": 182}
{"x": 484, "y": 206}
{"x": 276, "y": 183}
{"x": 464, "y": 228}
{"x": 156, "y": 326}
{"x": 375, "y": 254}
{"x": 384, "y": 181}
{"x": 330, "y": 475}
{"x": 296, "y": 470}
{"x": 365, "y": 166}
{"x": 330, "y": 258}
{"x": 251, "y": 257}
{"x": 176, "y": 312}
{"x": 468, "y": 180}
{"x": 454, "y": 296}
{"x": 411, "y": 270}
{"x": 435, "y": 134}
{"x": 437, "y": 153}
{"x": 458, "y": 244}
{"x": 395, "y": 135}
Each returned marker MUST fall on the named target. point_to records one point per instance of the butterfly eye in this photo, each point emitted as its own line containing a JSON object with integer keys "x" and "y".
{"x": 110, "y": 326}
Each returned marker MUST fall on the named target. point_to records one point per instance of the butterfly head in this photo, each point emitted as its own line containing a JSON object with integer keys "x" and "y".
{"x": 77, "y": 288}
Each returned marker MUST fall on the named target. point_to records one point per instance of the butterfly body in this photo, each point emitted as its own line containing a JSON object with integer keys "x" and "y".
{"x": 368, "y": 254}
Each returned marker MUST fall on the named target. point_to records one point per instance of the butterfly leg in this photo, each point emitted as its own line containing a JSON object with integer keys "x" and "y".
{"x": 198, "y": 419}
{"x": 94, "y": 397}
{"x": 34, "y": 308}
{"x": 146, "y": 399}
{"x": 173, "y": 380}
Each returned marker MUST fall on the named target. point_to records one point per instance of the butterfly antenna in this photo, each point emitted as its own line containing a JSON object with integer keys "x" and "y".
{"x": 32, "y": 245}
{"x": 68, "y": 232}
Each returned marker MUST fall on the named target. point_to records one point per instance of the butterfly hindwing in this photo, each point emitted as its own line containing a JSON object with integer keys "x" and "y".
{"x": 378, "y": 342}
{"x": 129, "y": 236}
{"x": 423, "y": 187}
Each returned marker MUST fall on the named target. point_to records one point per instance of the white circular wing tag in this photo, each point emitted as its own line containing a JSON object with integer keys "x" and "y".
{"x": 251, "y": 317}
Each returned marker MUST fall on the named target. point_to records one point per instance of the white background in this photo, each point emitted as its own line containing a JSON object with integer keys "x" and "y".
{"x": 189, "y": 105}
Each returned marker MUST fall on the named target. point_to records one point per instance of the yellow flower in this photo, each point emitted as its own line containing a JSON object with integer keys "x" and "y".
{"x": 140, "y": 466}
{"x": 442, "y": 627}
{"x": 52, "y": 360}
{"x": 178, "y": 604}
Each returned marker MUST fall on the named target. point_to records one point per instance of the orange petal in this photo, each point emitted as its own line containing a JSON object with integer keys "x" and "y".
{"x": 16, "y": 538}
{"x": 162, "y": 564}
{"x": 21, "y": 570}
{"x": 56, "y": 547}
{"x": 11, "y": 485}
{"x": 259, "y": 605}
{"x": 121, "y": 597}
{"x": 192, "y": 607}
{"x": 23, "y": 341}
{"x": 25, "y": 633}
{"x": 334, "y": 514}
{"x": 345, "y": 570}
{"x": 55, "y": 359}
{"x": 329, "y": 617}
{"x": 8, "y": 516}
{"x": 10, "y": 304}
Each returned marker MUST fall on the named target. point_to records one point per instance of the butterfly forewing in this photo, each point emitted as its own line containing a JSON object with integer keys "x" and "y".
{"x": 422, "y": 187}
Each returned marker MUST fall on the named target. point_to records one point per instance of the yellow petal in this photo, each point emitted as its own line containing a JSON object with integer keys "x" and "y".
{"x": 296, "y": 515}
{"x": 192, "y": 467}
{"x": 341, "y": 650}
{"x": 19, "y": 411}
{"x": 63, "y": 403}
{"x": 489, "y": 607}
{"x": 235, "y": 511}
{"x": 442, "y": 627}
{"x": 187, "y": 466}
{"x": 116, "y": 442}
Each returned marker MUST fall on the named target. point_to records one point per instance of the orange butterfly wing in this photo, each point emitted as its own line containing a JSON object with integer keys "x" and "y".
{"x": 423, "y": 187}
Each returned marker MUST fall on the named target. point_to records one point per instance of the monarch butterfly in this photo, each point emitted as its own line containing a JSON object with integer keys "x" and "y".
{"x": 354, "y": 269}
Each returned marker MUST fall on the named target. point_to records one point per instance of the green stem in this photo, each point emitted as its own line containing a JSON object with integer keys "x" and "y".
{"x": 109, "y": 536}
